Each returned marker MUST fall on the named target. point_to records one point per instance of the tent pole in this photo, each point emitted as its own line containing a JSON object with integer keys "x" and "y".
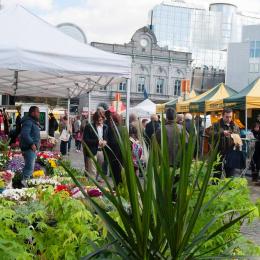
{"x": 246, "y": 126}
{"x": 204, "y": 132}
{"x": 128, "y": 93}
{"x": 89, "y": 106}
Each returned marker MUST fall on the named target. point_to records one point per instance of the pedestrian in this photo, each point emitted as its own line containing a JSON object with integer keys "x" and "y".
{"x": 137, "y": 152}
{"x": 255, "y": 163}
{"x": 1, "y": 121}
{"x": 53, "y": 125}
{"x": 222, "y": 131}
{"x": 6, "y": 122}
{"x": 188, "y": 122}
{"x": 113, "y": 150}
{"x": 95, "y": 136}
{"x": 173, "y": 136}
{"x": 65, "y": 135}
{"x": 78, "y": 134}
{"x": 30, "y": 141}
{"x": 151, "y": 128}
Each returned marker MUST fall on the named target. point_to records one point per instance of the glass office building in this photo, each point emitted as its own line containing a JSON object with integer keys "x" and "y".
{"x": 205, "y": 33}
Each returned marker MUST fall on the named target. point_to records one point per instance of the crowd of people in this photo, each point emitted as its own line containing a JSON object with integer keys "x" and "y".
{"x": 99, "y": 140}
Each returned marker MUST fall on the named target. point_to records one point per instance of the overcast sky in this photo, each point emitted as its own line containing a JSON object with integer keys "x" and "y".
{"x": 112, "y": 21}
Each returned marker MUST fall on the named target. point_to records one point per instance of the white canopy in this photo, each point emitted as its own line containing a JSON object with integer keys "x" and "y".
{"x": 144, "y": 109}
{"x": 36, "y": 59}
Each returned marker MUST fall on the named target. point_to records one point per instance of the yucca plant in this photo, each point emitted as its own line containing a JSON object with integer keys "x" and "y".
{"x": 164, "y": 207}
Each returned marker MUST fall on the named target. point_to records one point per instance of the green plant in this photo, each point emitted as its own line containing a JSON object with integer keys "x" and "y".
{"x": 53, "y": 227}
{"x": 163, "y": 217}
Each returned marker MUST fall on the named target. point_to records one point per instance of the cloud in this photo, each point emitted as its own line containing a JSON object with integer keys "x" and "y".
{"x": 35, "y": 4}
{"x": 112, "y": 21}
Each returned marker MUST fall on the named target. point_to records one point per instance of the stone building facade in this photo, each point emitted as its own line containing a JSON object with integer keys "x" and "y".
{"x": 156, "y": 71}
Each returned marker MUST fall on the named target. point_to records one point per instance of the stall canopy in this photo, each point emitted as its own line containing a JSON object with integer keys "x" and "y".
{"x": 144, "y": 109}
{"x": 36, "y": 59}
{"x": 160, "y": 108}
{"x": 184, "y": 106}
{"x": 248, "y": 98}
{"x": 213, "y": 101}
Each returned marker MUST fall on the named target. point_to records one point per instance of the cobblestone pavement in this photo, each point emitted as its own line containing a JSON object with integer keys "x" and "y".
{"x": 251, "y": 231}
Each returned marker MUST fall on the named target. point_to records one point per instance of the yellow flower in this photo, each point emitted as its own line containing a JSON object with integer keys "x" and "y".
{"x": 37, "y": 174}
{"x": 52, "y": 163}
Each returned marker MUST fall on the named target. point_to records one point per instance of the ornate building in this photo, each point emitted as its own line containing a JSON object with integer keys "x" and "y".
{"x": 156, "y": 71}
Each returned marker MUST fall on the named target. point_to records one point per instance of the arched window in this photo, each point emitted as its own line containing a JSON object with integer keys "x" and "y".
{"x": 122, "y": 86}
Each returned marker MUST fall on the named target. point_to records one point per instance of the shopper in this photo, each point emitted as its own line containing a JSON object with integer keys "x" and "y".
{"x": 255, "y": 163}
{"x": 222, "y": 131}
{"x": 151, "y": 128}
{"x": 65, "y": 135}
{"x": 113, "y": 150}
{"x": 53, "y": 125}
{"x": 30, "y": 141}
{"x": 6, "y": 122}
{"x": 188, "y": 122}
{"x": 78, "y": 134}
{"x": 173, "y": 135}
{"x": 95, "y": 136}
{"x": 1, "y": 121}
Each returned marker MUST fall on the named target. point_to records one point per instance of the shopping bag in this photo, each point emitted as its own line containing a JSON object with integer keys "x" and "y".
{"x": 65, "y": 136}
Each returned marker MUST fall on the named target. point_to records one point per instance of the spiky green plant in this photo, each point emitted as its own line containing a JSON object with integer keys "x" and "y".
{"x": 164, "y": 208}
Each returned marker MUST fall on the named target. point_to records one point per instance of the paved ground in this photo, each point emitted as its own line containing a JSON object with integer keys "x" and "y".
{"x": 251, "y": 231}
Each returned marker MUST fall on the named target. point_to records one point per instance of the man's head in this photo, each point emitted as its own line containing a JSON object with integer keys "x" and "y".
{"x": 154, "y": 118}
{"x": 227, "y": 115}
{"x": 34, "y": 112}
{"x": 188, "y": 116}
{"x": 78, "y": 117}
{"x": 144, "y": 122}
{"x": 132, "y": 118}
{"x": 51, "y": 115}
{"x": 170, "y": 114}
{"x": 180, "y": 119}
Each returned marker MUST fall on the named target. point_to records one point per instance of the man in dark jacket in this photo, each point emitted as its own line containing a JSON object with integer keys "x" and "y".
{"x": 222, "y": 131}
{"x": 30, "y": 141}
{"x": 151, "y": 128}
{"x": 95, "y": 137}
{"x": 53, "y": 125}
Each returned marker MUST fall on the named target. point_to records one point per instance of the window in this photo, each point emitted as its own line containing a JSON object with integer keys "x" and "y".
{"x": 141, "y": 84}
{"x": 255, "y": 49}
{"x": 159, "y": 86}
{"x": 177, "y": 87}
{"x": 122, "y": 86}
{"x": 253, "y": 67}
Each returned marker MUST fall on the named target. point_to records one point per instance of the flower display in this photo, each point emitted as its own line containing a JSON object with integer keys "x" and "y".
{"x": 42, "y": 182}
{"x": 19, "y": 194}
{"x": 6, "y": 179}
{"x": 48, "y": 155}
{"x": 93, "y": 191}
{"x": 37, "y": 174}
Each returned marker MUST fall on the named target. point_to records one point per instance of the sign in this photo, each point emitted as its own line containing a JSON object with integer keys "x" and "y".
{"x": 185, "y": 86}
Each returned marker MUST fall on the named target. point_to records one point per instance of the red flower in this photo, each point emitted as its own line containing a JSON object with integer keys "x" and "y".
{"x": 61, "y": 187}
{"x": 94, "y": 193}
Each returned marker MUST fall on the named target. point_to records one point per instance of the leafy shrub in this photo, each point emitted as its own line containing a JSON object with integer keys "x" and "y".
{"x": 176, "y": 212}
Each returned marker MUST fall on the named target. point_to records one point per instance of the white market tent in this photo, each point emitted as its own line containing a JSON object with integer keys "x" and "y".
{"x": 144, "y": 109}
{"x": 36, "y": 59}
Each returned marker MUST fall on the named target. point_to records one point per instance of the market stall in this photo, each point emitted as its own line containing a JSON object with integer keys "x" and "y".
{"x": 160, "y": 108}
{"x": 213, "y": 101}
{"x": 144, "y": 109}
{"x": 36, "y": 59}
{"x": 246, "y": 100}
